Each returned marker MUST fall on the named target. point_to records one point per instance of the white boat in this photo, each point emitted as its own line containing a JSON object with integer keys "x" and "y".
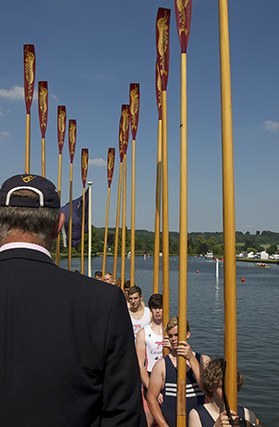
{"x": 209, "y": 255}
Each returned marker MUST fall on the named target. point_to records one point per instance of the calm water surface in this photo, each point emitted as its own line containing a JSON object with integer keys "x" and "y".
{"x": 258, "y": 319}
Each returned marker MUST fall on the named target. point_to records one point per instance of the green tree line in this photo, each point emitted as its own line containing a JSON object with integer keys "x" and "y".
{"x": 198, "y": 242}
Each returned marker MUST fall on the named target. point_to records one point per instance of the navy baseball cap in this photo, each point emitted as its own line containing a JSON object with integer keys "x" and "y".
{"x": 45, "y": 189}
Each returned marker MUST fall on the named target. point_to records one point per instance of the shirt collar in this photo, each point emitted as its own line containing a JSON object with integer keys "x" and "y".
{"x": 25, "y": 245}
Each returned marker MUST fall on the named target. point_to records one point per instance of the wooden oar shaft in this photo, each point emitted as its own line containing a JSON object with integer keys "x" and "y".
{"x": 27, "y": 143}
{"x": 106, "y": 235}
{"x": 183, "y": 253}
{"x": 165, "y": 212}
{"x": 82, "y": 233}
{"x": 133, "y": 214}
{"x": 70, "y": 233}
{"x": 89, "y": 227}
{"x": 156, "y": 264}
{"x": 228, "y": 211}
{"x": 43, "y": 157}
{"x": 123, "y": 235}
{"x": 59, "y": 184}
{"x": 117, "y": 221}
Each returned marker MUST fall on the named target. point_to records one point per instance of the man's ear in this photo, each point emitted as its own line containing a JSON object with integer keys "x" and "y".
{"x": 188, "y": 335}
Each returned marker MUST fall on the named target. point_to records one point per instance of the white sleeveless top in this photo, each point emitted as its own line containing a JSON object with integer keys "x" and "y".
{"x": 140, "y": 323}
{"x": 153, "y": 347}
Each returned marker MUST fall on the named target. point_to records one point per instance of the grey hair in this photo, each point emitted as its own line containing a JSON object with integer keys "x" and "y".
{"x": 36, "y": 221}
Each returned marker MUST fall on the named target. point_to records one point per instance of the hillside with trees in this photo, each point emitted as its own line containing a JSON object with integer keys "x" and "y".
{"x": 198, "y": 242}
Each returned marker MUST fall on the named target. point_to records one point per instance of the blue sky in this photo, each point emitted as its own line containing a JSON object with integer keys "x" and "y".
{"x": 90, "y": 52}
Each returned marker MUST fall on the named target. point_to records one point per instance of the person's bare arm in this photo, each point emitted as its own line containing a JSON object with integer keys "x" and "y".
{"x": 156, "y": 384}
{"x": 140, "y": 348}
{"x": 194, "y": 419}
{"x": 184, "y": 349}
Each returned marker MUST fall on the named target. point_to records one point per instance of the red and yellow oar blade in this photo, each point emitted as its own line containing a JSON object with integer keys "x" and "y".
{"x": 134, "y": 96}
{"x": 125, "y": 113}
{"x": 183, "y": 14}
{"x": 61, "y": 126}
{"x": 110, "y": 165}
{"x": 162, "y": 42}
{"x": 29, "y": 74}
{"x": 158, "y": 85}
{"x": 84, "y": 165}
{"x": 72, "y": 138}
{"x": 43, "y": 106}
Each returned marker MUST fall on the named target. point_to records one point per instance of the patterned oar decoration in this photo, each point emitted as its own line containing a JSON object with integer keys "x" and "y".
{"x": 125, "y": 112}
{"x": 162, "y": 39}
{"x": 183, "y": 13}
{"x": 29, "y": 59}
{"x": 110, "y": 169}
{"x": 43, "y": 116}
{"x": 156, "y": 258}
{"x": 134, "y": 97}
{"x": 119, "y": 195}
{"x": 72, "y": 148}
{"x": 84, "y": 169}
{"x": 61, "y": 131}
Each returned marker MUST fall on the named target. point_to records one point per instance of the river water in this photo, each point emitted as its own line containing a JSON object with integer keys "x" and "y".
{"x": 258, "y": 319}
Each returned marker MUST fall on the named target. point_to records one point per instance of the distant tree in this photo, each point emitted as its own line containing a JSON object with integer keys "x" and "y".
{"x": 272, "y": 249}
{"x": 258, "y": 233}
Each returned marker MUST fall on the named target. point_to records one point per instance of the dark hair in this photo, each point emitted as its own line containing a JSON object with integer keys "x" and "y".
{"x": 135, "y": 289}
{"x": 212, "y": 376}
{"x": 97, "y": 274}
{"x": 127, "y": 284}
{"x": 37, "y": 221}
{"x": 155, "y": 301}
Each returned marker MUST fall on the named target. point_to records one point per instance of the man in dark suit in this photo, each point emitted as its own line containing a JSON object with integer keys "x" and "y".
{"x": 67, "y": 355}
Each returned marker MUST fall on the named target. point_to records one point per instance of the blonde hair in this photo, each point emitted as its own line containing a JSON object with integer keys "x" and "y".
{"x": 174, "y": 322}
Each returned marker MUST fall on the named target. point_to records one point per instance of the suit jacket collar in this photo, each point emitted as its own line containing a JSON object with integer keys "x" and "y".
{"x": 24, "y": 253}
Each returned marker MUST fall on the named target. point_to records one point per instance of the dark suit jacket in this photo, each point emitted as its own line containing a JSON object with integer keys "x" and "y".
{"x": 67, "y": 355}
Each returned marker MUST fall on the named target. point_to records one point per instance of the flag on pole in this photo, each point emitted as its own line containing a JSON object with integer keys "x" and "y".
{"x": 77, "y": 218}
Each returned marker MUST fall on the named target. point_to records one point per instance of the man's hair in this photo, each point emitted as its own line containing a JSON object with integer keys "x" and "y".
{"x": 135, "y": 289}
{"x": 174, "y": 322}
{"x": 97, "y": 274}
{"x": 37, "y": 221}
{"x": 127, "y": 284}
{"x": 212, "y": 376}
{"x": 155, "y": 301}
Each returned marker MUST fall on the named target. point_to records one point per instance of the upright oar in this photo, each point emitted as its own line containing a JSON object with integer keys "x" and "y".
{"x": 61, "y": 130}
{"x": 125, "y": 139}
{"x": 134, "y": 118}
{"x": 162, "y": 39}
{"x": 230, "y": 307}
{"x": 119, "y": 192}
{"x": 43, "y": 115}
{"x": 89, "y": 227}
{"x": 156, "y": 256}
{"x": 84, "y": 169}
{"x": 29, "y": 81}
{"x": 110, "y": 168}
{"x": 183, "y": 12}
{"x": 72, "y": 148}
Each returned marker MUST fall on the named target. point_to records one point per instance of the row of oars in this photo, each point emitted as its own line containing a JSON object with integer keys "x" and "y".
{"x": 183, "y": 9}
{"x": 29, "y": 82}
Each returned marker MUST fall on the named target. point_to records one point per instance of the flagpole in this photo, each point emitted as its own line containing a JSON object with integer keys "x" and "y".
{"x": 84, "y": 169}
{"x": 230, "y": 292}
{"x": 125, "y": 113}
{"x": 61, "y": 130}
{"x": 72, "y": 147}
{"x": 110, "y": 168}
{"x": 29, "y": 58}
{"x": 89, "y": 183}
{"x": 156, "y": 256}
{"x": 162, "y": 36}
{"x": 183, "y": 20}
{"x": 134, "y": 96}
{"x": 120, "y": 175}
{"x": 43, "y": 115}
